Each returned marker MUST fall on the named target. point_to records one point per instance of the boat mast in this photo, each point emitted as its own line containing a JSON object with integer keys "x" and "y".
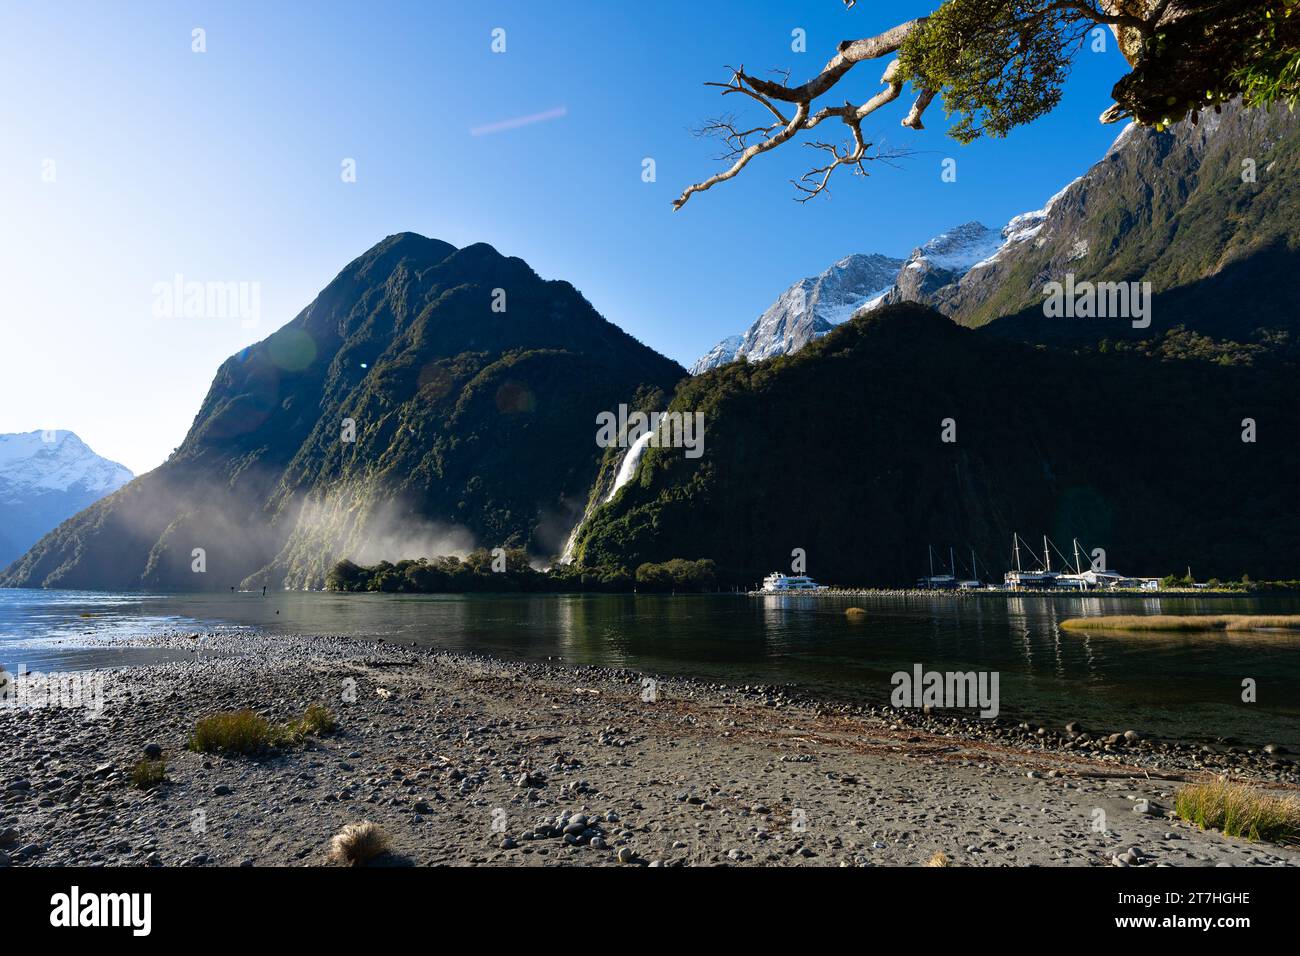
{"x": 1078, "y": 569}
{"x": 930, "y": 548}
{"x": 952, "y": 563}
{"x": 1015, "y": 545}
{"x": 1047, "y": 558}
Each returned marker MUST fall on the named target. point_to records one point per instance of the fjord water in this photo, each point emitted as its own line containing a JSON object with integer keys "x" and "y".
{"x": 1176, "y": 684}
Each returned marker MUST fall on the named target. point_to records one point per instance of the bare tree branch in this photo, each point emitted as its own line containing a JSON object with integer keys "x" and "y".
{"x": 743, "y": 145}
{"x": 851, "y": 53}
{"x": 913, "y": 120}
{"x": 765, "y": 91}
{"x": 771, "y": 142}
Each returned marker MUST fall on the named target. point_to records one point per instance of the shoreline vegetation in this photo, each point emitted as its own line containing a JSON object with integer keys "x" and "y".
{"x": 1240, "y": 811}
{"x": 510, "y": 570}
{"x": 1184, "y": 622}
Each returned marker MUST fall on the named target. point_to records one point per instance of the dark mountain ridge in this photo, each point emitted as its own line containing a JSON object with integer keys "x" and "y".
{"x": 472, "y": 426}
{"x": 838, "y": 450}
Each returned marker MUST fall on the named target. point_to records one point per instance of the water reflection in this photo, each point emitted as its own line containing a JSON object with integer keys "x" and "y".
{"x": 1182, "y": 684}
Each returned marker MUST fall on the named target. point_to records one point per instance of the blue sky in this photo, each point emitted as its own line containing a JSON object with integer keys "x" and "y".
{"x": 225, "y": 166}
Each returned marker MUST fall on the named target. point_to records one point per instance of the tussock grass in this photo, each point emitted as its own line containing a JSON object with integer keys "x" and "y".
{"x": 315, "y": 721}
{"x": 358, "y": 843}
{"x": 231, "y": 732}
{"x": 1240, "y": 810}
{"x": 148, "y": 774}
{"x": 939, "y": 858}
{"x": 318, "y": 720}
{"x": 246, "y": 732}
{"x": 1183, "y": 622}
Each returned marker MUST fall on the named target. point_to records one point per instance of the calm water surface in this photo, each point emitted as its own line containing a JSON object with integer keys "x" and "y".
{"x": 1185, "y": 685}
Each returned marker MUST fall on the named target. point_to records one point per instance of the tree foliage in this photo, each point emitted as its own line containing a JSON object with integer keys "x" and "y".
{"x": 1000, "y": 63}
{"x": 1271, "y": 73}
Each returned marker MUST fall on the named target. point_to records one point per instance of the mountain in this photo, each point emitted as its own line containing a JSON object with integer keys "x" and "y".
{"x": 812, "y": 307}
{"x": 725, "y": 351}
{"x": 469, "y": 385}
{"x": 1208, "y": 214}
{"x": 807, "y": 310}
{"x": 1152, "y": 466}
{"x": 942, "y": 261}
{"x": 838, "y": 450}
{"x": 46, "y": 477}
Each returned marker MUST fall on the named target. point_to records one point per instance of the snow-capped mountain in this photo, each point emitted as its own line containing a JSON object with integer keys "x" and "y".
{"x": 808, "y": 310}
{"x": 937, "y": 269}
{"x": 812, "y": 307}
{"x": 722, "y": 353}
{"x": 45, "y": 478}
{"x": 943, "y": 260}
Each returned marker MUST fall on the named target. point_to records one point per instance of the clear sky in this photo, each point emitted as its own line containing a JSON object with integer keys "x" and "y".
{"x": 226, "y": 166}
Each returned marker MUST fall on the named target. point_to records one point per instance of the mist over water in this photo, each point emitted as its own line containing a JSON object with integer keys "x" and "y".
{"x": 396, "y": 534}
{"x": 1176, "y": 684}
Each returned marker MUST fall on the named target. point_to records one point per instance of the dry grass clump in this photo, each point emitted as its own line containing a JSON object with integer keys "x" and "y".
{"x": 315, "y": 721}
{"x": 358, "y": 843}
{"x": 855, "y": 614}
{"x": 939, "y": 858}
{"x": 1183, "y": 622}
{"x": 1240, "y": 811}
{"x": 231, "y": 732}
{"x": 247, "y": 732}
{"x": 318, "y": 720}
{"x": 148, "y": 774}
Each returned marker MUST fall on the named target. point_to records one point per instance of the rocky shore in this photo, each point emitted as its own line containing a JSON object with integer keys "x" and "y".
{"x": 467, "y": 760}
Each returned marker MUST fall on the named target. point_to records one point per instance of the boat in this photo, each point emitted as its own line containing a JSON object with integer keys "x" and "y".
{"x": 778, "y": 583}
{"x": 949, "y": 581}
{"x": 1045, "y": 579}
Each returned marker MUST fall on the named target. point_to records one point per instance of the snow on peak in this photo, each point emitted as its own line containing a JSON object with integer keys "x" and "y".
{"x": 1025, "y": 226}
{"x": 808, "y": 310}
{"x": 54, "y": 460}
{"x": 722, "y": 353}
{"x": 959, "y": 249}
{"x": 1121, "y": 139}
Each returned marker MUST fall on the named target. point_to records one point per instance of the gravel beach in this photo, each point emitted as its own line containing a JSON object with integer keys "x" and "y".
{"x": 465, "y": 760}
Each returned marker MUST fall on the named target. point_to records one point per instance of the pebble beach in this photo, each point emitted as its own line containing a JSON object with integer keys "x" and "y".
{"x": 464, "y": 760}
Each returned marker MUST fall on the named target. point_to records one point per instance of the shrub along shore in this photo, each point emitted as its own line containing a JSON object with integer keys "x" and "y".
{"x": 512, "y": 570}
{"x": 507, "y": 571}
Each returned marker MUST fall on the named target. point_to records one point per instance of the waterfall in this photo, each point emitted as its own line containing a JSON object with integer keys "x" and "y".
{"x": 626, "y": 469}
